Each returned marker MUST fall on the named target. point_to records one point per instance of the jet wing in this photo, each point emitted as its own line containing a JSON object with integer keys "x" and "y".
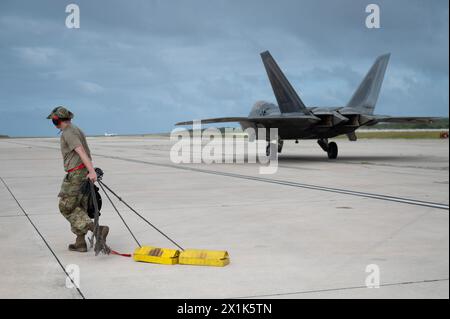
{"x": 216, "y": 120}
{"x": 264, "y": 120}
{"x": 406, "y": 119}
{"x": 276, "y": 121}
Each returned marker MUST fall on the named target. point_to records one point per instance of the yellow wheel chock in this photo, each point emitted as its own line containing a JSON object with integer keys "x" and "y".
{"x": 167, "y": 256}
{"x": 156, "y": 255}
{"x": 204, "y": 257}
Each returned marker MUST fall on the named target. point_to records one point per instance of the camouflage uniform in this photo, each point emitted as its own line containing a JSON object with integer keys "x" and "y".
{"x": 73, "y": 203}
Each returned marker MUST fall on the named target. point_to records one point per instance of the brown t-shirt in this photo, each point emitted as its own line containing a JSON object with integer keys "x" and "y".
{"x": 72, "y": 137}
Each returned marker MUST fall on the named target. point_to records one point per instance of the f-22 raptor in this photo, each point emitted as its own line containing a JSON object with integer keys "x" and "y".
{"x": 295, "y": 121}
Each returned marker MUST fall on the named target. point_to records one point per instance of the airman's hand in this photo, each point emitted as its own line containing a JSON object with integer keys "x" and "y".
{"x": 92, "y": 176}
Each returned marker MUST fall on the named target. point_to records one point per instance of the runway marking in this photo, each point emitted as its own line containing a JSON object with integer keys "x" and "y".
{"x": 341, "y": 289}
{"x": 402, "y": 200}
{"x": 42, "y": 237}
{"x": 292, "y": 184}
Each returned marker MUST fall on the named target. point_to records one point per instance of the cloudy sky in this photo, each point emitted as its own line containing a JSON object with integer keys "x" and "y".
{"x": 140, "y": 66}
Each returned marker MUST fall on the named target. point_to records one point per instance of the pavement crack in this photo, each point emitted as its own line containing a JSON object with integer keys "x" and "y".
{"x": 342, "y": 288}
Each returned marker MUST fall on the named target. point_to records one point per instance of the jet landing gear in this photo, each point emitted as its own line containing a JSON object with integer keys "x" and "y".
{"x": 280, "y": 143}
{"x": 330, "y": 148}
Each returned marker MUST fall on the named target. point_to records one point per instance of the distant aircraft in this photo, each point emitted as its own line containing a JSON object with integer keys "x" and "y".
{"x": 296, "y": 121}
{"x": 110, "y": 134}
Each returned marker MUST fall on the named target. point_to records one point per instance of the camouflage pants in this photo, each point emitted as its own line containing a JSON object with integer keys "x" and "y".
{"x": 72, "y": 203}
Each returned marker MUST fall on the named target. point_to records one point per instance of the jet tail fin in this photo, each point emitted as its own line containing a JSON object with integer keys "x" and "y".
{"x": 287, "y": 98}
{"x": 366, "y": 96}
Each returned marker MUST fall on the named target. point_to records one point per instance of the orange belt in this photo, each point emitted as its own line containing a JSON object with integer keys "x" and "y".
{"x": 76, "y": 168}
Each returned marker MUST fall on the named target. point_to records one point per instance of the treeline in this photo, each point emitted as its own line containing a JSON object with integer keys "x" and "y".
{"x": 439, "y": 124}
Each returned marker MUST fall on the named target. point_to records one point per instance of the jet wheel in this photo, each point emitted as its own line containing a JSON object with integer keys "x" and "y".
{"x": 332, "y": 150}
{"x": 280, "y": 146}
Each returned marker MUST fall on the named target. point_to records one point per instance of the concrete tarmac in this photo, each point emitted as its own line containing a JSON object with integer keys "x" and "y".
{"x": 302, "y": 232}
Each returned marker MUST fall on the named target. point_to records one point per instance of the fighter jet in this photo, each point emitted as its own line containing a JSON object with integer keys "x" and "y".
{"x": 295, "y": 121}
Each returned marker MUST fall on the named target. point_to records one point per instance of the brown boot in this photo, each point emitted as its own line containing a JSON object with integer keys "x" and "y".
{"x": 80, "y": 245}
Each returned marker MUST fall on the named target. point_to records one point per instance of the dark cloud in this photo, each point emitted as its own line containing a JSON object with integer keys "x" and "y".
{"x": 139, "y": 66}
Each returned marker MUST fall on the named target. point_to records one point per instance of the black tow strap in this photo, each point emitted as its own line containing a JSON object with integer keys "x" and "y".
{"x": 103, "y": 186}
{"x": 117, "y": 211}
